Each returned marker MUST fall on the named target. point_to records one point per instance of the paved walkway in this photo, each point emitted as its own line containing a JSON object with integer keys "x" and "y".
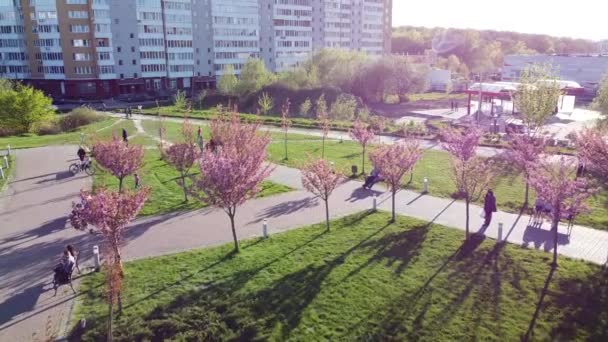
{"x": 33, "y": 213}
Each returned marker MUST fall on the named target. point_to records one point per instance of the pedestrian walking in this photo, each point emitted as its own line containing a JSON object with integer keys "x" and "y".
{"x": 452, "y": 106}
{"x": 489, "y": 207}
{"x": 456, "y": 106}
{"x": 125, "y": 136}
{"x": 137, "y": 180}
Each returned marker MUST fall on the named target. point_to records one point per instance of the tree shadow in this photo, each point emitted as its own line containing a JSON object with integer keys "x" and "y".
{"x": 59, "y": 176}
{"x": 543, "y": 293}
{"x": 583, "y": 302}
{"x": 286, "y": 208}
{"x": 398, "y": 248}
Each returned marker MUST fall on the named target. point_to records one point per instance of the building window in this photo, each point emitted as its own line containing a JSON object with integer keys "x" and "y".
{"x": 80, "y": 42}
{"x": 132, "y": 48}
{"x": 135, "y": 75}
{"x": 134, "y": 62}
{"x": 120, "y": 62}
{"x": 132, "y": 35}
{"x": 78, "y": 14}
{"x": 118, "y": 49}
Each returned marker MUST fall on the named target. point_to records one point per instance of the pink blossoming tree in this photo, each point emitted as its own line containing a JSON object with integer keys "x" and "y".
{"x": 523, "y": 152}
{"x": 472, "y": 174}
{"x": 183, "y": 156}
{"x": 119, "y": 159}
{"x": 593, "y": 151}
{"x": 319, "y": 178}
{"x": 557, "y": 185}
{"x": 109, "y": 213}
{"x": 363, "y": 134}
{"x": 393, "y": 162}
{"x": 233, "y": 173}
{"x": 285, "y": 122}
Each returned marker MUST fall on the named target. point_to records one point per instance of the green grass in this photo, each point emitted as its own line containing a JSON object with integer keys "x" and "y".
{"x": 102, "y": 129}
{"x": 365, "y": 280}
{"x": 166, "y": 194}
{"x": 7, "y": 172}
{"x": 434, "y": 165}
{"x": 436, "y": 97}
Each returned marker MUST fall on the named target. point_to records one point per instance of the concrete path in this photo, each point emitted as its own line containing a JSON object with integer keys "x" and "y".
{"x": 33, "y": 212}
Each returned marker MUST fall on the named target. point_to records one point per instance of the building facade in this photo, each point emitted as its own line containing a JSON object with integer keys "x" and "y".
{"x": 587, "y": 71}
{"x": 604, "y": 47}
{"x": 96, "y": 49}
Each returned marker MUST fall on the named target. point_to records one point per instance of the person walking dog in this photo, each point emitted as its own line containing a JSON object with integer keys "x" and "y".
{"x": 489, "y": 207}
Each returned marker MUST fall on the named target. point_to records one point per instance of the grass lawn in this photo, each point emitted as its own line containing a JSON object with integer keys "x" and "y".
{"x": 102, "y": 129}
{"x": 436, "y": 96}
{"x": 167, "y": 195}
{"x": 365, "y": 280}
{"x": 434, "y": 165}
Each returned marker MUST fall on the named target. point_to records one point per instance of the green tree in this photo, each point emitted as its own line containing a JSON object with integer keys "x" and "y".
{"x": 537, "y": 96}
{"x": 305, "y": 108}
{"x": 228, "y": 82}
{"x": 343, "y": 108}
{"x": 265, "y": 103}
{"x": 180, "y": 101}
{"x": 601, "y": 100}
{"x": 254, "y": 76}
{"x": 200, "y": 98}
{"x": 22, "y": 107}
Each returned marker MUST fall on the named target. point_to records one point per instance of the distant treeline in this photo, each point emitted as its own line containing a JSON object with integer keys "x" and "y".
{"x": 482, "y": 50}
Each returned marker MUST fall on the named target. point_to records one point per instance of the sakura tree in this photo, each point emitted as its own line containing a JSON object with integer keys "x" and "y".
{"x": 109, "y": 213}
{"x": 285, "y": 122}
{"x": 363, "y": 134}
{"x": 393, "y": 162}
{"x": 472, "y": 174}
{"x": 319, "y": 178}
{"x": 556, "y": 184}
{"x": 118, "y": 158}
{"x": 593, "y": 151}
{"x": 323, "y": 121}
{"x": 523, "y": 152}
{"x": 183, "y": 156}
{"x": 233, "y": 173}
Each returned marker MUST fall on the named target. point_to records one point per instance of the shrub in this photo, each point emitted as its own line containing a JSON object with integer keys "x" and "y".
{"x": 180, "y": 101}
{"x": 49, "y": 128}
{"x": 78, "y": 117}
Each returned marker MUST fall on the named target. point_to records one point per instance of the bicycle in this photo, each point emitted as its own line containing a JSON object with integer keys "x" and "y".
{"x": 86, "y": 166}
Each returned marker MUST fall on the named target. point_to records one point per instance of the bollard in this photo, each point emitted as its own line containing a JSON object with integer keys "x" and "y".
{"x": 1, "y": 173}
{"x": 96, "y": 258}
{"x": 332, "y": 165}
{"x": 6, "y": 162}
{"x": 499, "y": 238}
{"x": 425, "y": 185}
{"x": 375, "y": 203}
{"x": 265, "y": 229}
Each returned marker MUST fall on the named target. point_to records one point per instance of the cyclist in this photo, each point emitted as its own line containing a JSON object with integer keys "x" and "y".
{"x": 82, "y": 154}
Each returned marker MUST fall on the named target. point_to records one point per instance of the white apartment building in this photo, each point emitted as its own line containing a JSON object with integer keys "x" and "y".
{"x": 104, "y": 48}
{"x": 604, "y": 47}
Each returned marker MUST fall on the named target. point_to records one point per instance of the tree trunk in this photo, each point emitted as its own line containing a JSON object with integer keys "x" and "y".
{"x": 327, "y": 214}
{"x": 466, "y": 236}
{"x": 236, "y": 241}
{"x": 184, "y": 187}
{"x": 323, "y": 148}
{"x": 286, "y": 145}
{"x": 120, "y": 184}
{"x": 556, "y": 216}
{"x": 363, "y": 162}
{"x": 110, "y": 318}
{"x": 527, "y": 194}
{"x": 394, "y": 192}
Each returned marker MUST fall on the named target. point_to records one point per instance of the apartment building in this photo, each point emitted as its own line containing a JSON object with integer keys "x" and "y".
{"x": 93, "y": 49}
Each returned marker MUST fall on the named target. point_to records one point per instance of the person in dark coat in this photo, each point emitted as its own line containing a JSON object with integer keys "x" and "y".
{"x": 125, "y": 137}
{"x": 489, "y": 207}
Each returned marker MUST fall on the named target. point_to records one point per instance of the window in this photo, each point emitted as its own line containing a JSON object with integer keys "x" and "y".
{"x": 76, "y": 2}
{"x": 132, "y": 48}
{"x": 132, "y": 35}
{"x": 79, "y": 28}
{"x": 80, "y": 42}
{"x": 134, "y": 62}
{"x": 103, "y": 56}
{"x": 81, "y": 57}
{"x": 120, "y": 62}
{"x": 106, "y": 69}
{"x": 83, "y": 70}
{"x": 118, "y": 49}
{"x": 78, "y": 14}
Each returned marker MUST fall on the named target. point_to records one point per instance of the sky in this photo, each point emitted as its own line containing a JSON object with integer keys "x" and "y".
{"x": 563, "y": 18}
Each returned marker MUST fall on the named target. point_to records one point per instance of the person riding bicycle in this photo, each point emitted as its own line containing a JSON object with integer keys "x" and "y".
{"x": 82, "y": 154}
